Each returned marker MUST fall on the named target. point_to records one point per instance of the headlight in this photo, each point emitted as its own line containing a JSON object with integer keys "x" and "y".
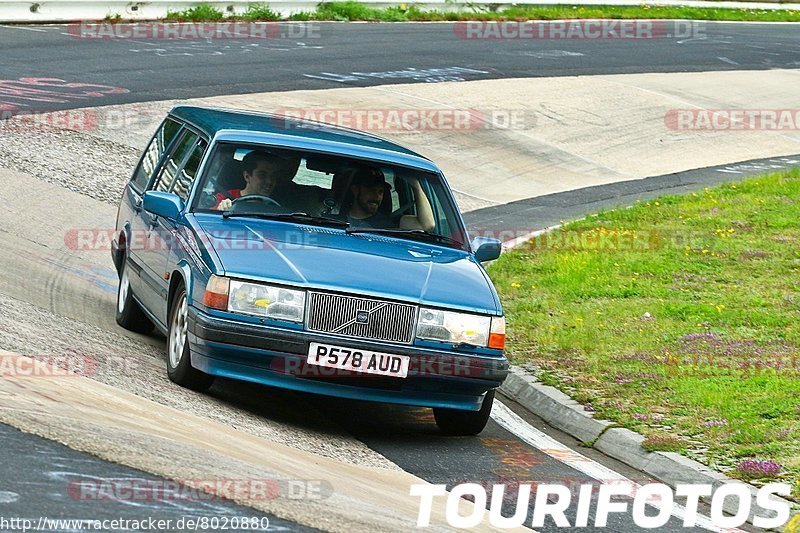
{"x": 267, "y": 301}
{"x": 455, "y": 328}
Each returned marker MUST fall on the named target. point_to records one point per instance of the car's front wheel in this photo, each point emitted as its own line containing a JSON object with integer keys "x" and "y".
{"x": 129, "y": 315}
{"x": 464, "y": 423}
{"x": 179, "y": 361}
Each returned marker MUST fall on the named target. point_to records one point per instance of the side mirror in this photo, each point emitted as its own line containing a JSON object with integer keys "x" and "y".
{"x": 163, "y": 204}
{"x": 486, "y": 249}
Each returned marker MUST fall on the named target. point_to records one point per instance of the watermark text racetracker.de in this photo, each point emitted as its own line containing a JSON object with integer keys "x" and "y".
{"x": 193, "y": 31}
{"x": 82, "y": 120}
{"x": 601, "y": 29}
{"x": 46, "y": 365}
{"x": 166, "y": 490}
{"x": 36, "y": 121}
{"x": 596, "y": 239}
{"x": 375, "y": 120}
{"x": 459, "y": 367}
{"x": 409, "y": 119}
{"x": 103, "y": 239}
{"x": 593, "y": 505}
{"x": 732, "y": 119}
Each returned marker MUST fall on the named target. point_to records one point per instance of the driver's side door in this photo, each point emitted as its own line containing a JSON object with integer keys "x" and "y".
{"x": 175, "y": 176}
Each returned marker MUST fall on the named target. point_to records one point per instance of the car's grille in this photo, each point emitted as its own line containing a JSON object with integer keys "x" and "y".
{"x": 378, "y": 320}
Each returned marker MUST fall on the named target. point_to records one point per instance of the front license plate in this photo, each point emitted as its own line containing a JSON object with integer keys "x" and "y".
{"x": 368, "y": 362}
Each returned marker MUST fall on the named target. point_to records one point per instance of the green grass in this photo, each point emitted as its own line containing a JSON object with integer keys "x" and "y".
{"x": 260, "y": 12}
{"x": 198, "y": 13}
{"x": 677, "y": 318}
{"x": 351, "y": 10}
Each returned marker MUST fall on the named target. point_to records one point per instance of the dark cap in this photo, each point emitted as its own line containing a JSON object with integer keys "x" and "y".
{"x": 368, "y": 177}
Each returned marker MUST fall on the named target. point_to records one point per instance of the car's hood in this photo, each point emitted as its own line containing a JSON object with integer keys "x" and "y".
{"x": 329, "y": 259}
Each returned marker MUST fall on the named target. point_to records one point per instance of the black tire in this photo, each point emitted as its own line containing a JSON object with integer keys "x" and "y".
{"x": 179, "y": 360}
{"x": 129, "y": 315}
{"x": 464, "y": 423}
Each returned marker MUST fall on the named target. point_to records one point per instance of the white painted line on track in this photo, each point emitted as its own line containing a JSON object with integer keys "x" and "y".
{"x": 8, "y": 497}
{"x": 512, "y": 422}
{"x": 513, "y": 243}
{"x": 22, "y": 28}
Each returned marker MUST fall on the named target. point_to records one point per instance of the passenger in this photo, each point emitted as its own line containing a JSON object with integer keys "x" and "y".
{"x": 367, "y": 192}
{"x": 262, "y": 173}
{"x": 287, "y": 192}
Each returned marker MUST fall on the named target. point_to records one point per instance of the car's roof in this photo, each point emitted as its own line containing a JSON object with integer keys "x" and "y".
{"x": 233, "y": 124}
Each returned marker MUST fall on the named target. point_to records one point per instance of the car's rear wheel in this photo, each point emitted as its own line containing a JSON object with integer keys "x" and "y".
{"x": 179, "y": 361}
{"x": 464, "y": 423}
{"x": 129, "y": 315}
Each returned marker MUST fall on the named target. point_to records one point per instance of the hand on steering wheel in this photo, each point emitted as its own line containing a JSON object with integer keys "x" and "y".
{"x": 259, "y": 197}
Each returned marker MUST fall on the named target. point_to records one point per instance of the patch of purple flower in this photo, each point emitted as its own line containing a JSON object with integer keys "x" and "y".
{"x": 639, "y": 416}
{"x": 695, "y": 337}
{"x": 621, "y": 379}
{"x": 641, "y": 357}
{"x": 758, "y": 468}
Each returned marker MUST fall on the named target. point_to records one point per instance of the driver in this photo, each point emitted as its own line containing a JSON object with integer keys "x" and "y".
{"x": 262, "y": 172}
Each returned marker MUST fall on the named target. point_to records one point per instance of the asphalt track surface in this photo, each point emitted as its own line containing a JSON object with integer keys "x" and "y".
{"x": 327, "y": 55}
{"x": 360, "y": 55}
{"x": 59, "y": 483}
{"x": 551, "y": 209}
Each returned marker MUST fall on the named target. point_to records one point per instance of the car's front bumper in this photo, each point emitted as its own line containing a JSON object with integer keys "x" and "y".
{"x": 277, "y": 357}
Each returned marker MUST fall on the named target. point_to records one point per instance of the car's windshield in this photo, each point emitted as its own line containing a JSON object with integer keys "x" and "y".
{"x": 247, "y": 180}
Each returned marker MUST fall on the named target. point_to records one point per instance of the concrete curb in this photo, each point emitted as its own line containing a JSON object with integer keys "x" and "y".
{"x": 624, "y": 445}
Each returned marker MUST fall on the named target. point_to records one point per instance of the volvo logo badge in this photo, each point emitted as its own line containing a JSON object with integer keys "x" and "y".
{"x": 362, "y": 317}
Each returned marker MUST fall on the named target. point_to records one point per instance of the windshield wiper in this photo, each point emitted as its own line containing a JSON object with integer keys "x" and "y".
{"x": 412, "y": 233}
{"x": 304, "y": 218}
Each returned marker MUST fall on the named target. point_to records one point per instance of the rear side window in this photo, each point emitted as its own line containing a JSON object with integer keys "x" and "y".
{"x": 175, "y": 161}
{"x": 306, "y": 176}
{"x": 186, "y": 175}
{"x": 165, "y": 135}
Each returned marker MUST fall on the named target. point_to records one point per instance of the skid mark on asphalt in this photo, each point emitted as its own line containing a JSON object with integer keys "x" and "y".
{"x": 431, "y": 75}
{"x": 522, "y": 429}
{"x": 27, "y": 90}
{"x": 104, "y": 279}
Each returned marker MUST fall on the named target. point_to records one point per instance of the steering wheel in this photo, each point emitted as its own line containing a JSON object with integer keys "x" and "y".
{"x": 259, "y": 197}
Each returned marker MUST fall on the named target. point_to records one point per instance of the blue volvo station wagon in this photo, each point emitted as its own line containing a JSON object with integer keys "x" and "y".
{"x": 304, "y": 256}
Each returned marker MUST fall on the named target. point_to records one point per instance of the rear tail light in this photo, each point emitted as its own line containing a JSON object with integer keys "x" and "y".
{"x": 216, "y": 296}
{"x": 497, "y": 333}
